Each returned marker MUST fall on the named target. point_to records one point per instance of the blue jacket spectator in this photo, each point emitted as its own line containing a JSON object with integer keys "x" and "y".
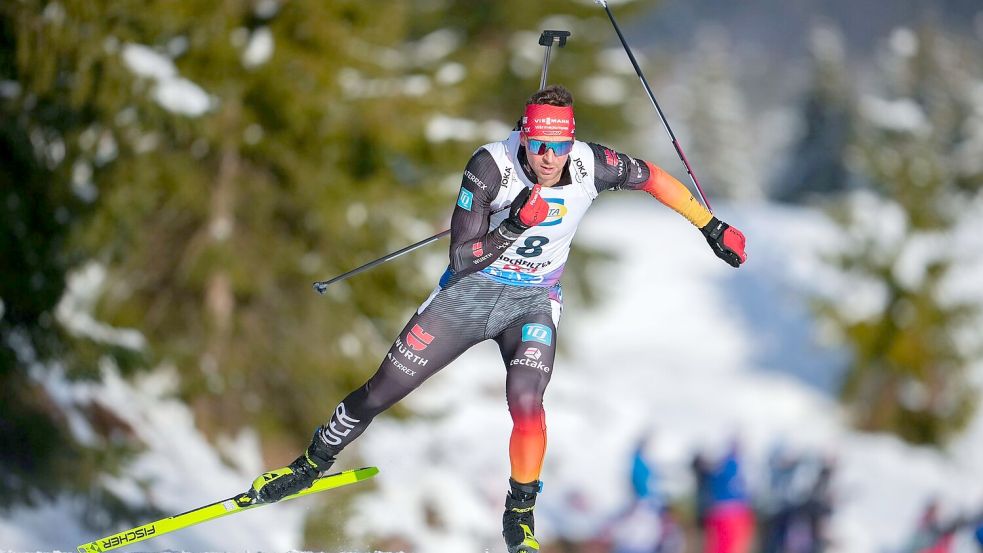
{"x": 730, "y": 522}
{"x": 726, "y": 481}
{"x": 644, "y": 476}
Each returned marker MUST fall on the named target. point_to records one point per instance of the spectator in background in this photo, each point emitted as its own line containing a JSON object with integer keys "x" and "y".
{"x": 932, "y": 535}
{"x": 673, "y": 533}
{"x": 798, "y": 504}
{"x": 635, "y": 530}
{"x": 729, "y": 526}
{"x": 644, "y": 477}
{"x": 647, "y": 486}
{"x": 979, "y": 533}
{"x": 647, "y": 525}
{"x": 779, "y": 500}
{"x": 701, "y": 468}
{"x": 818, "y": 507}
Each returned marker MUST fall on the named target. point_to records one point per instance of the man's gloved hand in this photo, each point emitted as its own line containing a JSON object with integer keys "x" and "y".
{"x": 727, "y": 242}
{"x": 528, "y": 210}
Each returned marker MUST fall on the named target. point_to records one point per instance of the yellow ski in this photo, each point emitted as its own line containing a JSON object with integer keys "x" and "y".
{"x": 222, "y": 508}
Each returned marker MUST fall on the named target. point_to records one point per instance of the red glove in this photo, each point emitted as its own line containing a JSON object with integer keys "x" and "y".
{"x": 528, "y": 210}
{"x": 726, "y": 241}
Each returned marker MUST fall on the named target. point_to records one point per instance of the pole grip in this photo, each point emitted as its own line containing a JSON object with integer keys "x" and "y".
{"x": 547, "y": 39}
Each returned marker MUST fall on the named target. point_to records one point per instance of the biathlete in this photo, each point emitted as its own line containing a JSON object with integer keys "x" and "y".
{"x": 518, "y": 209}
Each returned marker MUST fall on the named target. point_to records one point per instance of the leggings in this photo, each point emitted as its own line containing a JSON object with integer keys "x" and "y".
{"x": 459, "y": 314}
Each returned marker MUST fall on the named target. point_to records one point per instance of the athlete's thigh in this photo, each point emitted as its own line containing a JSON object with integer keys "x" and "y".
{"x": 528, "y": 349}
{"x": 429, "y": 342}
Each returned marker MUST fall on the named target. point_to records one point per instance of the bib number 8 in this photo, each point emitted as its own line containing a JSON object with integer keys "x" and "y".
{"x": 532, "y": 246}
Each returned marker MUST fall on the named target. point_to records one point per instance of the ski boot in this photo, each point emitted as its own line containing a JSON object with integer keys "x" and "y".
{"x": 276, "y": 484}
{"x": 518, "y": 526}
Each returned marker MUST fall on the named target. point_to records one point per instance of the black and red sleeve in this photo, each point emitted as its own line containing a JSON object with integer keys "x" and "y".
{"x": 473, "y": 247}
{"x": 616, "y": 171}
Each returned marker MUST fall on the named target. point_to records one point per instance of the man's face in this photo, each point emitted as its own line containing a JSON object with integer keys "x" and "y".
{"x": 547, "y": 166}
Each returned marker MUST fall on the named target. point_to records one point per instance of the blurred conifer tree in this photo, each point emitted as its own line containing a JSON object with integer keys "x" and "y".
{"x": 816, "y": 165}
{"x": 722, "y": 131}
{"x": 909, "y": 374}
{"x": 59, "y": 89}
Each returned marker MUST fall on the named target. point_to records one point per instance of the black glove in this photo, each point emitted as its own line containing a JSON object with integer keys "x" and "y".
{"x": 528, "y": 210}
{"x": 726, "y": 241}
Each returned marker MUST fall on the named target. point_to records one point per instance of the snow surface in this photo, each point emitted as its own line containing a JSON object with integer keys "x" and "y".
{"x": 684, "y": 348}
{"x": 74, "y": 310}
{"x": 181, "y": 469}
{"x": 903, "y": 115}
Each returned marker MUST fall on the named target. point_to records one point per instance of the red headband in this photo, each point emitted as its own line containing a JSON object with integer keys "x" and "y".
{"x": 547, "y": 120}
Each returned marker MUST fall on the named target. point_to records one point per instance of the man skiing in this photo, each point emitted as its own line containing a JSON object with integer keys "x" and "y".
{"x": 519, "y": 206}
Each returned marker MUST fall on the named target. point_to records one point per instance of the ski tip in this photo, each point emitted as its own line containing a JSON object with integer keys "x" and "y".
{"x": 365, "y": 473}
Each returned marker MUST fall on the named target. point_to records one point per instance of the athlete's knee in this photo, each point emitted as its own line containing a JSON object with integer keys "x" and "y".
{"x": 526, "y": 408}
{"x": 534, "y": 422}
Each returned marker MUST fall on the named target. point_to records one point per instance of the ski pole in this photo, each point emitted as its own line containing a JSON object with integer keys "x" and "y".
{"x": 322, "y": 285}
{"x": 648, "y": 90}
{"x": 547, "y": 39}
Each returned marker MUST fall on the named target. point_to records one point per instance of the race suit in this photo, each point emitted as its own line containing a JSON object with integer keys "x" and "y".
{"x": 505, "y": 287}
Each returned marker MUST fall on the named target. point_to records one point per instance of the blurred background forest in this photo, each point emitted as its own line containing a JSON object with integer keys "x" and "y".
{"x": 175, "y": 175}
